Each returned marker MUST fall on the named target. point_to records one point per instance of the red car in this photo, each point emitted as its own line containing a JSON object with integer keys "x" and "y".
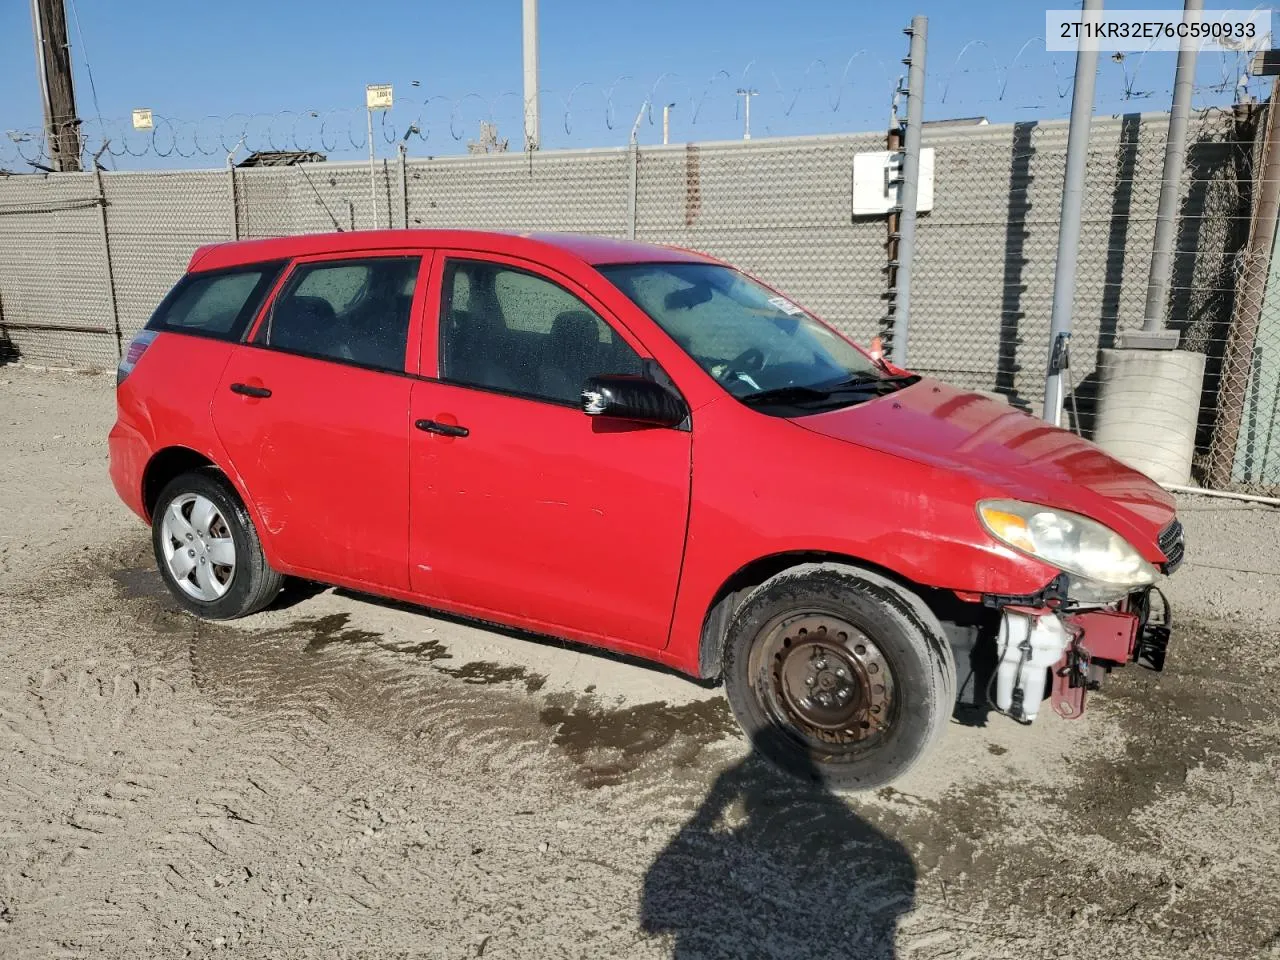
{"x": 640, "y": 448}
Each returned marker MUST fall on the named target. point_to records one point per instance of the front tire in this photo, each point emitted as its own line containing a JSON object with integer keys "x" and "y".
{"x": 839, "y": 675}
{"x": 207, "y": 549}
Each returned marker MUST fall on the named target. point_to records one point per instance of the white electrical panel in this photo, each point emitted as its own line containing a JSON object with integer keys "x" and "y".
{"x": 877, "y": 178}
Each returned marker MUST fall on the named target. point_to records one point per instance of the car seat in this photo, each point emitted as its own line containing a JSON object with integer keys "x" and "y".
{"x": 307, "y": 325}
{"x": 572, "y": 355}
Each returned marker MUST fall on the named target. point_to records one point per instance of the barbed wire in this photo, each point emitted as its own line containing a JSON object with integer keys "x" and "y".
{"x": 826, "y": 96}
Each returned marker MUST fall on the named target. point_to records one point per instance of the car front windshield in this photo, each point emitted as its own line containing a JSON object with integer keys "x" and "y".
{"x": 756, "y": 343}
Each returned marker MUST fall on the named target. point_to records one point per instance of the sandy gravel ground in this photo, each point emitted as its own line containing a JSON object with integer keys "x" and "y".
{"x": 342, "y": 777}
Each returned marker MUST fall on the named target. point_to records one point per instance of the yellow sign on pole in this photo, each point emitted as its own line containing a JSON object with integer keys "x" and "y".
{"x": 378, "y": 96}
{"x": 142, "y": 120}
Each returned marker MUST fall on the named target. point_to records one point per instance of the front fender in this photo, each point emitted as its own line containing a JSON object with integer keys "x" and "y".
{"x": 791, "y": 491}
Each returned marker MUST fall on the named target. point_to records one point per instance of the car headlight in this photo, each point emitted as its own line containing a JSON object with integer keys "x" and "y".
{"x": 1101, "y": 564}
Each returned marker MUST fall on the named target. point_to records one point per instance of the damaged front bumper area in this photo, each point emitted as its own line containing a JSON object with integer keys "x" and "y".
{"x": 1066, "y": 651}
{"x": 1013, "y": 651}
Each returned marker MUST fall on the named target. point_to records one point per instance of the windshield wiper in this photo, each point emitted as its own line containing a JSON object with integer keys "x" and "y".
{"x": 796, "y": 393}
{"x": 789, "y": 394}
{"x": 865, "y": 382}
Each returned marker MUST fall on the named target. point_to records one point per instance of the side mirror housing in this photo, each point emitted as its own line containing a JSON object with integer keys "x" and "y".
{"x": 632, "y": 398}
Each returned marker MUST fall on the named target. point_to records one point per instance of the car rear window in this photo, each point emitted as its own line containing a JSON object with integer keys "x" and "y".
{"x": 216, "y": 304}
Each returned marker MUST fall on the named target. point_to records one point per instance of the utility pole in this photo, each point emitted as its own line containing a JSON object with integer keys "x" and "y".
{"x": 53, "y": 60}
{"x": 1154, "y": 335}
{"x": 910, "y": 187}
{"x": 1064, "y": 277}
{"x": 746, "y": 93}
{"x": 532, "y": 132}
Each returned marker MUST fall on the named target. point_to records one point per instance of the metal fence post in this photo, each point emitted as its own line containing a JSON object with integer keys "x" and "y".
{"x": 634, "y": 151}
{"x": 1064, "y": 277}
{"x": 106, "y": 257}
{"x": 918, "y": 31}
{"x": 1154, "y": 333}
{"x": 373, "y": 176}
{"x": 231, "y": 195}
{"x": 404, "y": 188}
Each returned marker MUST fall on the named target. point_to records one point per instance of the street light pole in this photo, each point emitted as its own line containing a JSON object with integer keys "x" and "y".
{"x": 746, "y": 93}
{"x": 532, "y": 133}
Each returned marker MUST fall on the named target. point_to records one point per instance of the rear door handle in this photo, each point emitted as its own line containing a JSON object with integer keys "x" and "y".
{"x": 444, "y": 429}
{"x": 245, "y": 390}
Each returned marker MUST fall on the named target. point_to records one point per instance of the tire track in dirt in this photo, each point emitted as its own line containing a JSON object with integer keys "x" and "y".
{"x": 309, "y": 781}
{"x": 645, "y": 761}
{"x": 112, "y": 740}
{"x": 412, "y": 690}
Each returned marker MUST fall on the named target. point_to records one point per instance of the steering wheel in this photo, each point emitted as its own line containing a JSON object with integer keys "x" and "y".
{"x": 750, "y": 360}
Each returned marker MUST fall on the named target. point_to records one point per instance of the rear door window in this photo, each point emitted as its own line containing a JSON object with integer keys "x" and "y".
{"x": 218, "y": 304}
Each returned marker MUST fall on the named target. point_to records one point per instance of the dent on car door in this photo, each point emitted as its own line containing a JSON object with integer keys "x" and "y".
{"x": 312, "y": 410}
{"x": 539, "y": 514}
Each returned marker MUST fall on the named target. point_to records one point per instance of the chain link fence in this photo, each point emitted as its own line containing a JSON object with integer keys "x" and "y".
{"x": 1240, "y": 417}
{"x": 985, "y": 258}
{"x": 55, "y": 301}
{"x": 781, "y": 208}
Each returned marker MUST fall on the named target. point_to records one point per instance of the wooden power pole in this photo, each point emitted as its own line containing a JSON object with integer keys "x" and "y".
{"x": 53, "y": 60}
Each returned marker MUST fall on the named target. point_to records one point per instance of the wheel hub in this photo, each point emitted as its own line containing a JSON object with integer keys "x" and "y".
{"x": 827, "y": 678}
{"x": 198, "y": 547}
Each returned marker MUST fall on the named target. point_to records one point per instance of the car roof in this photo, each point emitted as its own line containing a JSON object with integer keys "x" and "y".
{"x": 542, "y": 247}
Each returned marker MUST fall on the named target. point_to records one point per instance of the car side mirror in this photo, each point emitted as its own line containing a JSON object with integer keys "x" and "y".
{"x": 632, "y": 398}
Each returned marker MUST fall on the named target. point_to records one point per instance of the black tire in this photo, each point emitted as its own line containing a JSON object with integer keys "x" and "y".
{"x": 873, "y": 730}
{"x": 253, "y": 584}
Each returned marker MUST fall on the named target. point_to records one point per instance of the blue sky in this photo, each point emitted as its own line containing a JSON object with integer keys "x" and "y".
{"x": 821, "y": 66}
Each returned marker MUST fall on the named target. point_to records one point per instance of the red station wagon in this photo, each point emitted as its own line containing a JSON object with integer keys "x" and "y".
{"x": 640, "y": 448}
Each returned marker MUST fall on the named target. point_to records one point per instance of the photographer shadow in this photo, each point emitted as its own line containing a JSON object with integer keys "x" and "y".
{"x": 774, "y": 866}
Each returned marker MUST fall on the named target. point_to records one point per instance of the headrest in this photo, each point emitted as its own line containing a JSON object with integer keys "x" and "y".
{"x": 576, "y": 326}
{"x": 312, "y": 311}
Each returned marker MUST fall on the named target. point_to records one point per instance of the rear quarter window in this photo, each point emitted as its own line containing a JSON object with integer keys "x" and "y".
{"x": 218, "y": 304}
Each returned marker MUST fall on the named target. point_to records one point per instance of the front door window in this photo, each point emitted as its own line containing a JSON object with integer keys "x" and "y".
{"x": 512, "y": 331}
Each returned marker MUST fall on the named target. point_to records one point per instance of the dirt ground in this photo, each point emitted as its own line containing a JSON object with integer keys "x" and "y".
{"x": 343, "y": 777}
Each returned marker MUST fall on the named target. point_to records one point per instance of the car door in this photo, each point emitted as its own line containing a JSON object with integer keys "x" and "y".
{"x": 313, "y": 412}
{"x": 523, "y": 508}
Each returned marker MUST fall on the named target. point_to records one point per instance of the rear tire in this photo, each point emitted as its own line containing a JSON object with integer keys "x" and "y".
{"x": 207, "y": 549}
{"x": 839, "y": 675}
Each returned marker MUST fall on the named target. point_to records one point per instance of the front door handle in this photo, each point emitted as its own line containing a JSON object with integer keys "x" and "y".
{"x": 444, "y": 429}
{"x": 245, "y": 390}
